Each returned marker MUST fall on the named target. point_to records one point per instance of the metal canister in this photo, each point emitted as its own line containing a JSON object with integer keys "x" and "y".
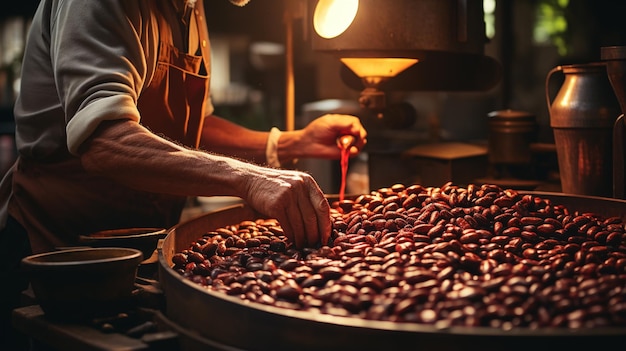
{"x": 582, "y": 116}
{"x": 510, "y": 134}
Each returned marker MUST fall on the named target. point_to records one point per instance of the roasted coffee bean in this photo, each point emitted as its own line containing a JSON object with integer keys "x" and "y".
{"x": 512, "y": 231}
{"x": 179, "y": 259}
{"x": 289, "y": 264}
{"x": 470, "y": 237}
{"x": 195, "y": 257}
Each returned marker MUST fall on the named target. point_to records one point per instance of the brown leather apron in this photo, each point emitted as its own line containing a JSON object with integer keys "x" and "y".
{"x": 58, "y": 200}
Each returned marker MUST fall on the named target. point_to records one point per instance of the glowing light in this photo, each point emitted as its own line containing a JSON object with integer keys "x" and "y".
{"x": 378, "y": 67}
{"x": 333, "y": 17}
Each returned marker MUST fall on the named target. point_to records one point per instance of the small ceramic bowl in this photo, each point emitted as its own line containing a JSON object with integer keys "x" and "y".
{"x": 142, "y": 239}
{"x": 83, "y": 283}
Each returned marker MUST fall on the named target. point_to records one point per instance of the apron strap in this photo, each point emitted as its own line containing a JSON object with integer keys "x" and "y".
{"x": 203, "y": 35}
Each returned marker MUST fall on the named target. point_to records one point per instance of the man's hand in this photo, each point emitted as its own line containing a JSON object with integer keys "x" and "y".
{"x": 319, "y": 137}
{"x": 295, "y": 200}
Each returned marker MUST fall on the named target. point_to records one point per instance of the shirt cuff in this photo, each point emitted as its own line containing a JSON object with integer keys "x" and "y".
{"x": 271, "y": 150}
{"x": 85, "y": 122}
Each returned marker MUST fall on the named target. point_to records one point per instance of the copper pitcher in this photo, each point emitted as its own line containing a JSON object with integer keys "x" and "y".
{"x": 582, "y": 116}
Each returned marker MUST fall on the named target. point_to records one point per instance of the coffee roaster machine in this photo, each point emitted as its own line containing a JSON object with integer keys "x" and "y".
{"x": 387, "y": 49}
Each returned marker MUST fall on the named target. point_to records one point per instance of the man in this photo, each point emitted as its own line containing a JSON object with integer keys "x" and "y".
{"x": 113, "y": 115}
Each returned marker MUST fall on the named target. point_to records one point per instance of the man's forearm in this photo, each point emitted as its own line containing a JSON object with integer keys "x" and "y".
{"x": 128, "y": 153}
{"x": 227, "y": 138}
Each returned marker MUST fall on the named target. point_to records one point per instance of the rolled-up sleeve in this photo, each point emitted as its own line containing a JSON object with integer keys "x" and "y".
{"x": 102, "y": 53}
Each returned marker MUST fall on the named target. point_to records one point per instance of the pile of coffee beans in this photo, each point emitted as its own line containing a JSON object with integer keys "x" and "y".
{"x": 449, "y": 256}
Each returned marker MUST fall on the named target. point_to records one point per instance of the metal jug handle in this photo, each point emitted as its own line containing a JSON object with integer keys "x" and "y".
{"x": 618, "y": 158}
{"x": 552, "y": 71}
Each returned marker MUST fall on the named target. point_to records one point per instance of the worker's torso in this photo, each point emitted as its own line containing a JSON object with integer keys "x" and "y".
{"x": 56, "y": 200}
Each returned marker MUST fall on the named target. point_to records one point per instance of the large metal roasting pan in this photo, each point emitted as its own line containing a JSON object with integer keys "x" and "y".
{"x": 214, "y": 321}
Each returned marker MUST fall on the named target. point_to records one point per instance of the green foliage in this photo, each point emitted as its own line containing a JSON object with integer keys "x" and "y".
{"x": 551, "y": 24}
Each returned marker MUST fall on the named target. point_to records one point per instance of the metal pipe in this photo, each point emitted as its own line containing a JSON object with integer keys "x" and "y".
{"x": 289, "y": 76}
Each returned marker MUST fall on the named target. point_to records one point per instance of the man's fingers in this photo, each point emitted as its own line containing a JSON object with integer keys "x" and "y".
{"x": 309, "y": 220}
{"x": 296, "y": 225}
{"x": 321, "y": 215}
{"x": 297, "y": 202}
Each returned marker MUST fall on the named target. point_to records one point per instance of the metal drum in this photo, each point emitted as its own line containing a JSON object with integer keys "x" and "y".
{"x": 214, "y": 321}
